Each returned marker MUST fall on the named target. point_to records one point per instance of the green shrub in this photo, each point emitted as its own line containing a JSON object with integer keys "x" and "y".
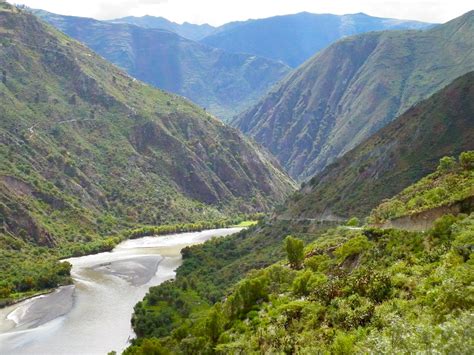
{"x": 353, "y": 246}
{"x": 353, "y": 222}
{"x": 466, "y": 160}
{"x": 447, "y": 164}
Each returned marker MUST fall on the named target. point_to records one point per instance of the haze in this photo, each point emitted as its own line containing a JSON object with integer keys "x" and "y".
{"x": 217, "y": 12}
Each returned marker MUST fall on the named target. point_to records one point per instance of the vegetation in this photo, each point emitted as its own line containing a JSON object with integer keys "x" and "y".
{"x": 89, "y": 152}
{"x": 452, "y": 182}
{"x": 295, "y": 251}
{"x": 350, "y": 290}
{"x": 315, "y": 115}
{"x": 380, "y": 291}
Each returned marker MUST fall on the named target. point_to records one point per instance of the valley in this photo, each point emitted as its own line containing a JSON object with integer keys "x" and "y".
{"x": 106, "y": 287}
{"x": 299, "y": 183}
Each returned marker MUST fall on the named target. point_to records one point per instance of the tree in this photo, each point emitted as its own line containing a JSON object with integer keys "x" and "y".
{"x": 214, "y": 324}
{"x": 295, "y": 251}
{"x": 353, "y": 222}
{"x": 466, "y": 159}
{"x": 446, "y": 164}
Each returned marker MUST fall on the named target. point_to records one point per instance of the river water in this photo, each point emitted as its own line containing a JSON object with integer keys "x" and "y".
{"x": 93, "y": 315}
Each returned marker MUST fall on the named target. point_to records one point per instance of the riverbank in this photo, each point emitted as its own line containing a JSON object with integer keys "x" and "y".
{"x": 107, "y": 287}
{"x": 14, "y": 290}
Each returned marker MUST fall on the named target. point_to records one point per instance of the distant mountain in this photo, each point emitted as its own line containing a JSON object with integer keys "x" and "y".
{"x": 186, "y": 30}
{"x": 350, "y": 90}
{"x": 87, "y": 150}
{"x": 395, "y": 157}
{"x": 222, "y": 82}
{"x": 293, "y": 39}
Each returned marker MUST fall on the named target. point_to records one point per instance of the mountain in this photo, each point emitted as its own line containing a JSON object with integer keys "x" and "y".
{"x": 224, "y": 83}
{"x": 87, "y": 151}
{"x": 393, "y": 158}
{"x": 186, "y": 29}
{"x": 292, "y": 39}
{"x": 352, "y": 89}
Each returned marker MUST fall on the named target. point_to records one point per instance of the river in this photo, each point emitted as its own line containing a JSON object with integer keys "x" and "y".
{"x": 93, "y": 315}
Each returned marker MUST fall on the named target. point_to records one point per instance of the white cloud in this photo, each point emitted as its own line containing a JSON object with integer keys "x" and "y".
{"x": 218, "y": 12}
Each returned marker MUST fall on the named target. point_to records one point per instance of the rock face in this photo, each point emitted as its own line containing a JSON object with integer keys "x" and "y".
{"x": 85, "y": 148}
{"x": 352, "y": 89}
{"x": 293, "y": 39}
{"x": 224, "y": 83}
{"x": 395, "y": 157}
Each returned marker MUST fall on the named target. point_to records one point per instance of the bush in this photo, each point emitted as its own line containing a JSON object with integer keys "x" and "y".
{"x": 466, "y": 159}
{"x": 447, "y": 164}
{"x": 353, "y": 222}
{"x": 353, "y": 246}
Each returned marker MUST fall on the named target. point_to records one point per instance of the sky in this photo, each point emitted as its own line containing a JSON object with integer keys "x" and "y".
{"x": 218, "y": 12}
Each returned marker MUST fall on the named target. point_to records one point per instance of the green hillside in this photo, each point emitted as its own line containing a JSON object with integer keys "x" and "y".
{"x": 393, "y": 158}
{"x": 352, "y": 89}
{"x": 88, "y": 151}
{"x": 452, "y": 182}
{"x": 349, "y": 290}
{"x": 224, "y": 83}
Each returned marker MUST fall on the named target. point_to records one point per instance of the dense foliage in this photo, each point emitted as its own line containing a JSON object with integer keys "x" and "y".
{"x": 380, "y": 291}
{"x": 350, "y": 290}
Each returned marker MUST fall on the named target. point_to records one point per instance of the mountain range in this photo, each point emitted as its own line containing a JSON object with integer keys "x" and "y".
{"x": 186, "y": 29}
{"x": 292, "y": 39}
{"x": 222, "y": 82}
{"x": 88, "y": 150}
{"x": 352, "y": 89}
{"x": 227, "y": 80}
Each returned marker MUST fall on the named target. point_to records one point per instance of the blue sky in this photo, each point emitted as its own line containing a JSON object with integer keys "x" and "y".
{"x": 217, "y": 12}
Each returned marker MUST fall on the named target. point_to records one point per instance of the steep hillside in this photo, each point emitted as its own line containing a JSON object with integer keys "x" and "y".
{"x": 186, "y": 29}
{"x": 349, "y": 291}
{"x": 224, "y": 83}
{"x": 87, "y": 151}
{"x": 393, "y": 158}
{"x": 451, "y": 183}
{"x": 353, "y": 88}
{"x": 293, "y": 39}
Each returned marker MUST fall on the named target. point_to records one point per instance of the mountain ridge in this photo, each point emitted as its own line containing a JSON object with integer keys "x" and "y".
{"x": 84, "y": 142}
{"x": 299, "y": 35}
{"x": 224, "y": 83}
{"x": 352, "y": 89}
{"x": 187, "y": 30}
{"x": 399, "y": 154}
